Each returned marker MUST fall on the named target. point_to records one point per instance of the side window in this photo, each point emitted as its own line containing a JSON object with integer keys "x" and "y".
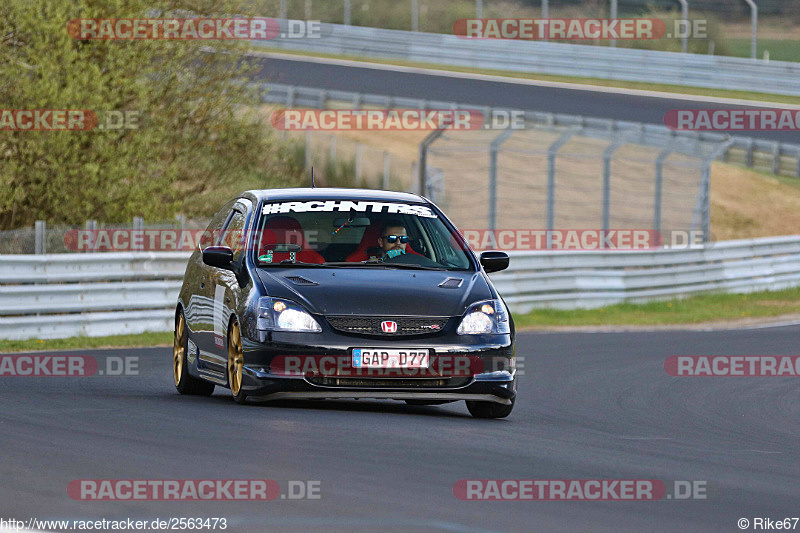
{"x": 233, "y": 234}
{"x": 212, "y": 232}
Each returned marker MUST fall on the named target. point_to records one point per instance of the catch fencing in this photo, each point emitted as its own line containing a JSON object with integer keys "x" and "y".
{"x": 561, "y": 171}
{"x": 65, "y": 295}
{"x": 769, "y": 156}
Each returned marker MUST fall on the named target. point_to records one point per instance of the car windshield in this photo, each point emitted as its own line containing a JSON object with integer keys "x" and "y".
{"x": 365, "y": 234}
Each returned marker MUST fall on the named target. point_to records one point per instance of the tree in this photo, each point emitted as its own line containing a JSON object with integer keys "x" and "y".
{"x": 198, "y": 136}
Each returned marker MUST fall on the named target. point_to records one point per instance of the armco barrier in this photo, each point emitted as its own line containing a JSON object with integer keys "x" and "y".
{"x": 67, "y": 295}
{"x": 650, "y": 66}
{"x": 64, "y": 295}
{"x": 587, "y": 279}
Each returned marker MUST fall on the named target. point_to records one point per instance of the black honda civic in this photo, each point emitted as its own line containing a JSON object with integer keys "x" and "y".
{"x": 323, "y": 293}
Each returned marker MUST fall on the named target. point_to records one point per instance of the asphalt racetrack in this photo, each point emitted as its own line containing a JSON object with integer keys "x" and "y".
{"x": 590, "y": 406}
{"x": 590, "y": 103}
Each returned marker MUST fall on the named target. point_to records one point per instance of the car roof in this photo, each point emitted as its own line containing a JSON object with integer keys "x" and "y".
{"x": 333, "y": 193}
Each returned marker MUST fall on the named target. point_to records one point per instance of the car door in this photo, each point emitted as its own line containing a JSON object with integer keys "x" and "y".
{"x": 226, "y": 291}
{"x": 199, "y": 307}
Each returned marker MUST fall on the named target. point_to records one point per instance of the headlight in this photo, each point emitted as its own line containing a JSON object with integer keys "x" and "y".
{"x": 276, "y": 314}
{"x": 488, "y": 316}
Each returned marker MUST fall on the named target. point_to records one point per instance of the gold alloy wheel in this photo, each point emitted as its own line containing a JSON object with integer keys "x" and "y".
{"x": 178, "y": 349}
{"x": 235, "y": 360}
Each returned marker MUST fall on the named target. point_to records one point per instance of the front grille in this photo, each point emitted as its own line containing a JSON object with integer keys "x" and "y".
{"x": 388, "y": 383}
{"x": 371, "y": 325}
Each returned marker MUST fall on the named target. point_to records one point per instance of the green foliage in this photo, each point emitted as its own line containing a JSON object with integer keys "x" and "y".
{"x": 199, "y": 139}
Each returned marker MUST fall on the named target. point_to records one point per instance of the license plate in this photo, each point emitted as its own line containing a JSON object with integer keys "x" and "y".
{"x": 383, "y": 358}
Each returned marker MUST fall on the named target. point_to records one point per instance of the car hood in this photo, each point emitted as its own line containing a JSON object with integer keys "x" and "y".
{"x": 376, "y": 291}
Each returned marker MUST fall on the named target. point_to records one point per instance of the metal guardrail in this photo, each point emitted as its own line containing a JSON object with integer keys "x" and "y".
{"x": 66, "y": 295}
{"x": 588, "y": 279}
{"x": 650, "y": 66}
{"x": 771, "y": 156}
{"x": 116, "y": 293}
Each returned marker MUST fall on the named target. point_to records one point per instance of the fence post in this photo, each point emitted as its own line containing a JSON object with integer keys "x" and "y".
{"x": 347, "y": 11}
{"x": 776, "y": 157}
{"x": 659, "y": 186}
{"x": 748, "y": 157}
{"x": 387, "y": 170}
{"x": 422, "y": 165}
{"x": 283, "y": 9}
{"x": 414, "y": 15}
{"x": 685, "y": 17}
{"x": 478, "y": 9}
{"x": 613, "y": 15}
{"x": 607, "y": 183}
{"x": 333, "y": 150}
{"x": 91, "y": 225}
{"x": 797, "y": 155}
{"x": 493, "y": 149}
{"x": 703, "y": 205}
{"x": 359, "y": 148}
{"x": 551, "y": 181}
{"x": 546, "y": 15}
{"x": 307, "y": 151}
{"x": 307, "y": 10}
{"x": 753, "y": 27}
{"x": 40, "y": 237}
{"x": 138, "y": 229}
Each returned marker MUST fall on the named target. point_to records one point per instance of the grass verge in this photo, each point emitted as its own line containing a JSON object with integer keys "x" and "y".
{"x": 163, "y": 338}
{"x": 779, "y": 49}
{"x": 705, "y": 308}
{"x": 598, "y": 82}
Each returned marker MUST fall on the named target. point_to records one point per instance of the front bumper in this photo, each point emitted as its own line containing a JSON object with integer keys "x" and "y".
{"x": 498, "y": 387}
{"x": 495, "y": 382}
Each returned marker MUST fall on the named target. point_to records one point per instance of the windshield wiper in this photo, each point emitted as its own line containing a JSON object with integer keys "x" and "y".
{"x": 412, "y": 266}
{"x": 345, "y": 264}
{"x": 288, "y": 262}
{"x": 406, "y": 266}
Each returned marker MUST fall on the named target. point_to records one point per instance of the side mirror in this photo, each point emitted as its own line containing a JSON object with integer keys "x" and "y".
{"x": 218, "y": 256}
{"x": 494, "y": 261}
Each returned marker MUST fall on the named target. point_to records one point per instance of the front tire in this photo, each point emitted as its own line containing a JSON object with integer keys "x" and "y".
{"x": 489, "y": 409}
{"x": 235, "y": 363}
{"x": 184, "y": 382}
